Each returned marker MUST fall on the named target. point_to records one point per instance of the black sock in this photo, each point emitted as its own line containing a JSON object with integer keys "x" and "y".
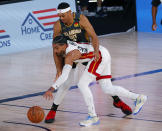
{"x": 116, "y": 98}
{"x": 54, "y": 107}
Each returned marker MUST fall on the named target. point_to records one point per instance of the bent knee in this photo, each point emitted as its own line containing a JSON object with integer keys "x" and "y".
{"x": 108, "y": 89}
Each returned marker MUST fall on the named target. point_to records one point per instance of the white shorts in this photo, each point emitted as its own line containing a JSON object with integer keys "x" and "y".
{"x": 102, "y": 68}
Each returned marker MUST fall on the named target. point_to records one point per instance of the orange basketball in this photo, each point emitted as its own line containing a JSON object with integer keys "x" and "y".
{"x": 35, "y": 114}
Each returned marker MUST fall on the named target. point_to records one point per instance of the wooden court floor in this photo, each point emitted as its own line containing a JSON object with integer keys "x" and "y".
{"x": 136, "y": 65}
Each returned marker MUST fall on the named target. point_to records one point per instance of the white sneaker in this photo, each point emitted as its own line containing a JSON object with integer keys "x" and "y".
{"x": 90, "y": 121}
{"x": 139, "y": 103}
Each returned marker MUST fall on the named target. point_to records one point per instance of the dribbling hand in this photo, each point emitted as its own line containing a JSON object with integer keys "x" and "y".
{"x": 48, "y": 94}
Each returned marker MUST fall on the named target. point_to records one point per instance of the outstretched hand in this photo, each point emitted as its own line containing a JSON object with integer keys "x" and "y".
{"x": 48, "y": 94}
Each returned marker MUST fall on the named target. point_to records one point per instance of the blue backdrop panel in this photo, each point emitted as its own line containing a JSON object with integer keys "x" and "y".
{"x": 144, "y": 16}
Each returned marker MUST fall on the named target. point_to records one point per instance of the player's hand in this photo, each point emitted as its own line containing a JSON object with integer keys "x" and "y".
{"x": 154, "y": 27}
{"x": 48, "y": 94}
{"x": 96, "y": 55}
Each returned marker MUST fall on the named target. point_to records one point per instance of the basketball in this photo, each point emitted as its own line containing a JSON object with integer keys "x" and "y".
{"x": 35, "y": 114}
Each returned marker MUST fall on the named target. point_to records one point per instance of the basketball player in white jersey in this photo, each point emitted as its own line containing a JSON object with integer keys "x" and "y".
{"x": 100, "y": 70}
{"x": 75, "y": 27}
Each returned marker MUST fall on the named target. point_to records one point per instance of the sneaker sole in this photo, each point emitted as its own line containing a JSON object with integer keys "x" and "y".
{"x": 98, "y": 122}
{"x": 49, "y": 121}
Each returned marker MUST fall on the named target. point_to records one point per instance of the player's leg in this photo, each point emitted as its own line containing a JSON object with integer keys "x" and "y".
{"x": 60, "y": 94}
{"x": 120, "y": 91}
{"x": 84, "y": 81}
{"x": 113, "y": 90}
{"x": 104, "y": 69}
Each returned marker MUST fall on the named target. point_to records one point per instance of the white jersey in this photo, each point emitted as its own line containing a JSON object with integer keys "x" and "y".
{"x": 85, "y": 49}
{"x": 100, "y": 68}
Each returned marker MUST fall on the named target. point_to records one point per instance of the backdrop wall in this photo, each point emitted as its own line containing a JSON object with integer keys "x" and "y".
{"x": 144, "y": 16}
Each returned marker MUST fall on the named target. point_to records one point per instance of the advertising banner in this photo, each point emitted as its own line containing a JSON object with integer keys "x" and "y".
{"x": 28, "y": 25}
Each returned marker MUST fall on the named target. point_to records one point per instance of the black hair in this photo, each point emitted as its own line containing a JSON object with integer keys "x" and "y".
{"x": 61, "y": 40}
{"x": 63, "y": 5}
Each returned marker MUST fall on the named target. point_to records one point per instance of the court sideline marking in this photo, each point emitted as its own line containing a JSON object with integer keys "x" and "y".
{"x": 25, "y": 124}
{"x": 74, "y": 87}
{"x": 108, "y": 115}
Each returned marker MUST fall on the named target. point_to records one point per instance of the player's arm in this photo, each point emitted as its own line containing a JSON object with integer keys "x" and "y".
{"x": 154, "y": 13}
{"x": 84, "y": 23}
{"x": 69, "y": 59}
{"x": 155, "y": 4}
{"x": 59, "y": 61}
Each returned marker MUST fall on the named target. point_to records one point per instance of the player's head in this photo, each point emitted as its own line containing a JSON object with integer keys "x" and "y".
{"x": 64, "y": 11}
{"x": 60, "y": 45}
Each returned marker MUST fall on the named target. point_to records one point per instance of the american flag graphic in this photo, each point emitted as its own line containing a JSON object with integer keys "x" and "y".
{"x": 44, "y": 18}
{"x": 3, "y": 34}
